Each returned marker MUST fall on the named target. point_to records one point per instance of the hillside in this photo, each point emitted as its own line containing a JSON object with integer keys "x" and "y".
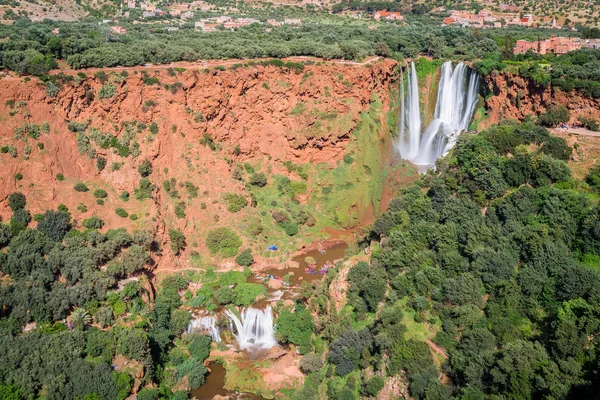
{"x": 276, "y": 152}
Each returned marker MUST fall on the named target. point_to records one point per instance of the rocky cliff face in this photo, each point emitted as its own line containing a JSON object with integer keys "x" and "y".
{"x": 513, "y": 97}
{"x": 194, "y": 126}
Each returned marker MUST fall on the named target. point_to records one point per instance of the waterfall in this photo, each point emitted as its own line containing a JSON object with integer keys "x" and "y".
{"x": 206, "y": 323}
{"x": 455, "y": 104}
{"x": 410, "y": 118}
{"x": 255, "y": 330}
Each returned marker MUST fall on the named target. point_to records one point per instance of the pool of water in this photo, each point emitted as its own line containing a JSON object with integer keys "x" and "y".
{"x": 213, "y": 386}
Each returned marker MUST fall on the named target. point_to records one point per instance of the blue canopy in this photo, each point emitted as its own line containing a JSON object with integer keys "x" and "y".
{"x": 272, "y": 247}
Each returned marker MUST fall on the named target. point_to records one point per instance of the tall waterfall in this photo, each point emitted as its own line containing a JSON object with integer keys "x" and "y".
{"x": 255, "y": 330}
{"x": 455, "y": 105}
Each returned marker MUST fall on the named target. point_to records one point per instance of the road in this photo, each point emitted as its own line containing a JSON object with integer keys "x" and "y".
{"x": 576, "y": 131}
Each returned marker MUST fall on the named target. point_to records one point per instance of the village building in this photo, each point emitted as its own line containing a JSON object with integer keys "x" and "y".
{"x": 119, "y": 30}
{"x": 555, "y": 44}
{"x": 388, "y": 15}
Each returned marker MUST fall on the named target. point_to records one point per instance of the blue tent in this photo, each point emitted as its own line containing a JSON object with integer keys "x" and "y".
{"x": 272, "y": 247}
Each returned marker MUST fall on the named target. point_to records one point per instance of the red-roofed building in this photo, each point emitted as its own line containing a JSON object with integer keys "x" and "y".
{"x": 389, "y": 15}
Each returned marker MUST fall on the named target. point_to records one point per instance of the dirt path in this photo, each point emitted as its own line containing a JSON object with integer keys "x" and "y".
{"x": 437, "y": 349}
{"x": 576, "y": 131}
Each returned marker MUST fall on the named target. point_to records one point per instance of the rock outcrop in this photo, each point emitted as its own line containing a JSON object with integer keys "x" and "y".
{"x": 514, "y": 97}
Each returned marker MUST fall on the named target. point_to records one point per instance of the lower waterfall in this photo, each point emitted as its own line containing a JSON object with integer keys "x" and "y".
{"x": 455, "y": 105}
{"x": 255, "y": 330}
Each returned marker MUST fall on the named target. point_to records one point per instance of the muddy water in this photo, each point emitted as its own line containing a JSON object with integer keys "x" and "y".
{"x": 215, "y": 381}
{"x": 331, "y": 254}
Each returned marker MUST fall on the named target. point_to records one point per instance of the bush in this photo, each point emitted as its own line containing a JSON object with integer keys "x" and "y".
{"x": 100, "y": 163}
{"x": 81, "y": 187}
{"x": 148, "y": 394}
{"x": 373, "y": 386}
{"x": 144, "y": 191}
{"x": 223, "y": 241}
{"x": 154, "y": 128}
{"x": 17, "y": 201}
{"x": 554, "y": 116}
{"x": 291, "y": 228}
{"x": 245, "y": 258}
{"x": 557, "y": 148}
{"x": 121, "y": 213}
{"x": 177, "y": 240}
{"x": 107, "y": 91}
{"x": 100, "y": 194}
{"x": 311, "y": 363}
{"x": 145, "y": 168}
{"x": 589, "y": 123}
{"x": 258, "y": 179}
{"x": 235, "y": 202}
{"x": 93, "y": 223}
{"x": 51, "y": 89}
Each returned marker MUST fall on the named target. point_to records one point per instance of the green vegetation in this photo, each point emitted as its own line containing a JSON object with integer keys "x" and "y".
{"x": 223, "y": 241}
{"x": 235, "y": 202}
{"x": 488, "y": 264}
{"x": 81, "y": 187}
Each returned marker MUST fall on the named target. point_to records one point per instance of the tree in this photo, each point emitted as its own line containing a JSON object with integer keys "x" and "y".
{"x": 145, "y": 168}
{"x": 223, "y": 241}
{"x": 295, "y": 327}
{"x": 554, "y": 116}
{"x": 55, "y": 225}
{"x": 93, "y": 222}
{"x": 17, "y": 201}
{"x": 310, "y": 363}
{"x": 177, "y": 240}
{"x": 199, "y": 347}
{"x": 258, "y": 179}
{"x": 245, "y": 258}
{"x": 79, "y": 318}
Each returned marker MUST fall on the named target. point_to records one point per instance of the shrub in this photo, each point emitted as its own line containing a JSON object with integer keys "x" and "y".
{"x": 145, "y": 168}
{"x": 107, "y": 91}
{"x": 258, "y": 179}
{"x": 154, "y": 128}
{"x": 223, "y": 241}
{"x": 311, "y": 363}
{"x": 291, "y": 228}
{"x": 51, "y": 89}
{"x": 60, "y": 177}
{"x": 100, "y": 194}
{"x": 192, "y": 189}
{"x": 247, "y": 293}
{"x": 148, "y": 394}
{"x": 121, "y": 213}
{"x": 245, "y": 258}
{"x": 180, "y": 210}
{"x": 557, "y": 148}
{"x": 17, "y": 201}
{"x": 133, "y": 217}
{"x": 235, "y": 202}
{"x": 76, "y": 127}
{"x": 144, "y": 191}
{"x": 554, "y": 116}
{"x": 589, "y": 123}
{"x": 177, "y": 240}
{"x": 373, "y": 386}
{"x": 124, "y": 195}
{"x": 100, "y": 163}
{"x": 81, "y": 187}
{"x": 93, "y": 223}
{"x": 295, "y": 327}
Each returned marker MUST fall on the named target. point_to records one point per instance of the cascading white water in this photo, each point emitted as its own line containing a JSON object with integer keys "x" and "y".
{"x": 410, "y": 120}
{"x": 455, "y": 105}
{"x": 255, "y": 330}
{"x": 207, "y": 323}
